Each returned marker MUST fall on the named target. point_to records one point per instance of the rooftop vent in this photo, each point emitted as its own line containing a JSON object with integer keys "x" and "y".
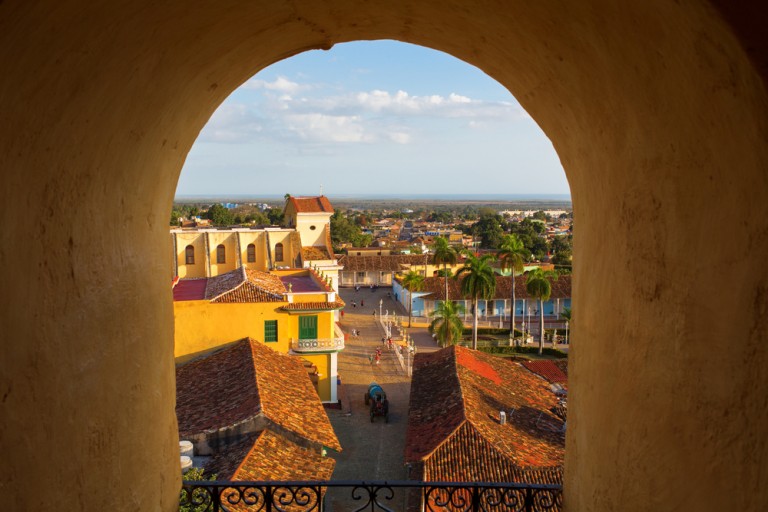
{"x": 502, "y": 417}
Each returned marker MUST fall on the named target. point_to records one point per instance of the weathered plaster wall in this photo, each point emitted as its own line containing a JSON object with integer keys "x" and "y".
{"x": 654, "y": 108}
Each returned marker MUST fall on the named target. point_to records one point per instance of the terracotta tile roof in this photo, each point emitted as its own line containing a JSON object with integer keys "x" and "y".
{"x": 245, "y": 285}
{"x": 547, "y": 370}
{"x": 248, "y": 379}
{"x": 315, "y": 253}
{"x": 390, "y": 263}
{"x": 563, "y": 365}
{"x": 468, "y": 457}
{"x": 313, "y": 306}
{"x": 315, "y": 204}
{"x": 436, "y": 407}
{"x": 268, "y": 456}
{"x": 435, "y": 287}
{"x": 453, "y": 426}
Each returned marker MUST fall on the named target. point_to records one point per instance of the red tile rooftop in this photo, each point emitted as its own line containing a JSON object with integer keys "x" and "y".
{"x": 313, "y": 306}
{"x": 239, "y": 285}
{"x": 246, "y": 379}
{"x": 454, "y": 433}
{"x": 317, "y": 204}
{"x": 269, "y": 456}
{"x": 548, "y": 370}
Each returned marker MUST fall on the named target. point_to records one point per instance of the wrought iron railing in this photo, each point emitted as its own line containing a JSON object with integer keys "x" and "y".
{"x": 374, "y": 496}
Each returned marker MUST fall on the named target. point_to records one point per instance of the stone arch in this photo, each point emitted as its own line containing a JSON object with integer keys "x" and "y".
{"x": 656, "y": 110}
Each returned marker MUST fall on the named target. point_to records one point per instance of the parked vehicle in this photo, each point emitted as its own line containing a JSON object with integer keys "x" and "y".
{"x": 377, "y": 399}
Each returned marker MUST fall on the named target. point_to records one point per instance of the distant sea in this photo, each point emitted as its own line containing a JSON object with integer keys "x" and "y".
{"x": 430, "y": 197}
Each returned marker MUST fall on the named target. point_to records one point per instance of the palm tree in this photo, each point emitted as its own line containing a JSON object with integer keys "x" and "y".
{"x": 478, "y": 280}
{"x": 445, "y": 254}
{"x": 413, "y": 282}
{"x": 447, "y": 323}
{"x": 512, "y": 254}
{"x": 538, "y": 286}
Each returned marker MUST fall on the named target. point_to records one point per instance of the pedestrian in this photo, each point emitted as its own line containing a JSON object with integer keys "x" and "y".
{"x": 342, "y": 314}
{"x": 354, "y": 304}
{"x": 383, "y": 340}
{"x": 378, "y": 358}
{"x": 370, "y": 358}
{"x": 362, "y": 303}
{"x": 374, "y": 313}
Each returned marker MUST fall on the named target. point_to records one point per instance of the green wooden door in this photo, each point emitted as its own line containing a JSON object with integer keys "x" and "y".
{"x": 308, "y": 327}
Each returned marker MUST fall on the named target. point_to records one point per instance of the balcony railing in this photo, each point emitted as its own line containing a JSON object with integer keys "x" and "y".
{"x": 320, "y": 344}
{"x": 374, "y": 496}
{"x": 317, "y": 345}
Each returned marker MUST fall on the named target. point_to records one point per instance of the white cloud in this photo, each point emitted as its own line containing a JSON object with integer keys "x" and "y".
{"x": 324, "y": 128}
{"x": 292, "y": 114}
{"x": 280, "y": 84}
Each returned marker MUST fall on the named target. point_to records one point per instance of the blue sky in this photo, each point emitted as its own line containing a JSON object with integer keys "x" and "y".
{"x": 371, "y": 118}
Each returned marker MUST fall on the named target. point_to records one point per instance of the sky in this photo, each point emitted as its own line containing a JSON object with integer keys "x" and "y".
{"x": 370, "y": 118}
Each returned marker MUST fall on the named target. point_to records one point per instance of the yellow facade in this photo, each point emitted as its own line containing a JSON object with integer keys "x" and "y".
{"x": 202, "y": 326}
{"x": 212, "y": 252}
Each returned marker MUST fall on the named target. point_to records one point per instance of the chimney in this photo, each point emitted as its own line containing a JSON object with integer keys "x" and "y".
{"x": 502, "y": 417}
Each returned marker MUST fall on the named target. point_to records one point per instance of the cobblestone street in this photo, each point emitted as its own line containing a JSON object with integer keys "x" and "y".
{"x": 371, "y": 451}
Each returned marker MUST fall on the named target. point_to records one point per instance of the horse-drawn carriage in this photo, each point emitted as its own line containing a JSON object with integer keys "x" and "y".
{"x": 377, "y": 399}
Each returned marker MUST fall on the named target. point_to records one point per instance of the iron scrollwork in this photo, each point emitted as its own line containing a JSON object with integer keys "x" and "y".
{"x": 215, "y": 496}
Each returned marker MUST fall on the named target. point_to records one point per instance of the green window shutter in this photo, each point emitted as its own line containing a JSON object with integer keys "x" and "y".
{"x": 308, "y": 327}
{"x": 270, "y": 330}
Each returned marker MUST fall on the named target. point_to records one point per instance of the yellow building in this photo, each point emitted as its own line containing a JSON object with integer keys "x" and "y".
{"x": 304, "y": 241}
{"x": 291, "y": 310}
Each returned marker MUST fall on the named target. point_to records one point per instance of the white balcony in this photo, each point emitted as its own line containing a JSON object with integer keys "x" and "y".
{"x": 320, "y": 344}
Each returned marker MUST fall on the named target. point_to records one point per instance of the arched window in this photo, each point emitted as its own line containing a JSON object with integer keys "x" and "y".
{"x": 251, "y": 253}
{"x": 221, "y": 254}
{"x": 279, "y": 252}
{"x": 189, "y": 255}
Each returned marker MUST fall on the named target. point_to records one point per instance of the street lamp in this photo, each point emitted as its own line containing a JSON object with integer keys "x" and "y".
{"x": 566, "y": 332}
{"x": 381, "y": 304}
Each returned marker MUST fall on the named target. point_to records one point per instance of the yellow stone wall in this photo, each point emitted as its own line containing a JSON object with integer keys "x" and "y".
{"x": 229, "y": 241}
{"x": 658, "y": 111}
{"x": 202, "y": 326}
{"x": 196, "y": 240}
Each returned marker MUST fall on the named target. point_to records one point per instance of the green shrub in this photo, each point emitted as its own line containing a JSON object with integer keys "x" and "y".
{"x": 195, "y": 475}
{"x": 523, "y": 350}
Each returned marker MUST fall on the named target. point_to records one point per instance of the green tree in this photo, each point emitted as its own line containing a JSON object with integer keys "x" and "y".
{"x": 489, "y": 229}
{"x": 275, "y": 216}
{"x": 561, "y": 246}
{"x": 445, "y": 254}
{"x": 186, "y": 498}
{"x": 446, "y": 323}
{"x": 413, "y": 282}
{"x": 175, "y": 215}
{"x": 512, "y": 256}
{"x": 220, "y": 216}
{"x": 478, "y": 280}
{"x": 538, "y": 286}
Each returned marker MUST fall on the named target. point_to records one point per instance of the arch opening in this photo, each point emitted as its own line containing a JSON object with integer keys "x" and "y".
{"x": 656, "y": 111}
